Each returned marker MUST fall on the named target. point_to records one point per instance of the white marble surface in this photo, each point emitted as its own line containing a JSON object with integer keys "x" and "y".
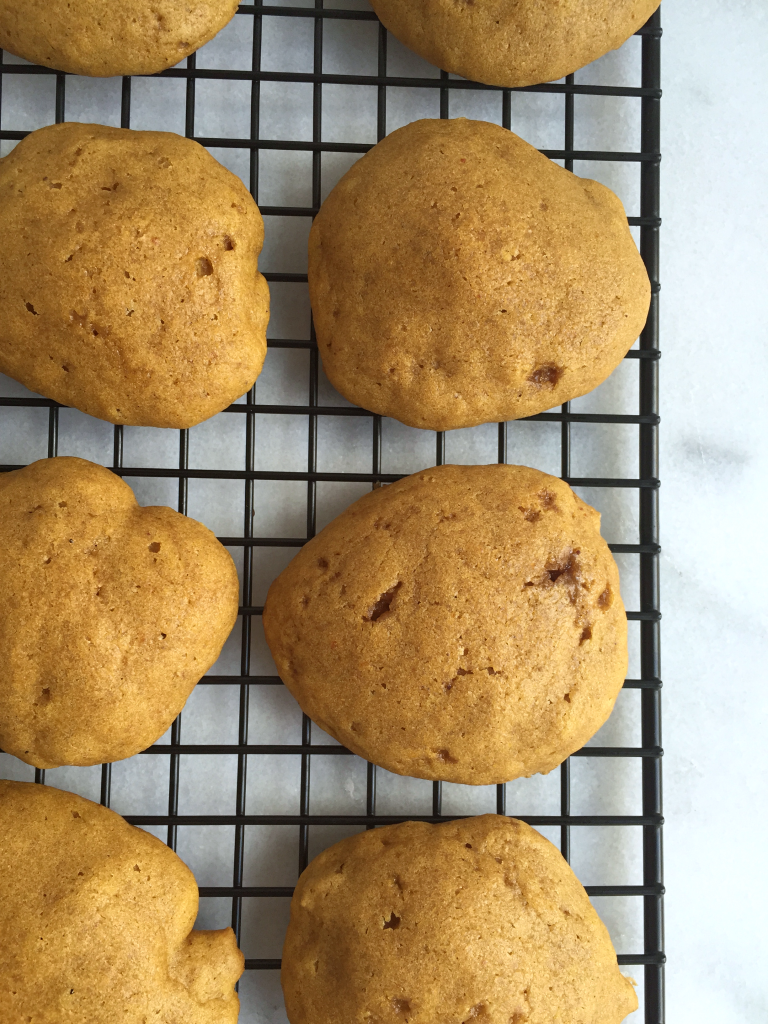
{"x": 713, "y": 475}
{"x": 714, "y": 469}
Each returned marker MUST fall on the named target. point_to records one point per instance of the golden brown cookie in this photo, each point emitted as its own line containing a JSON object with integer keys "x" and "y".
{"x": 109, "y": 614}
{"x": 457, "y": 277}
{"x": 129, "y": 285}
{"x": 474, "y": 920}
{"x": 464, "y": 624}
{"x": 96, "y": 921}
{"x": 513, "y": 42}
{"x": 110, "y": 37}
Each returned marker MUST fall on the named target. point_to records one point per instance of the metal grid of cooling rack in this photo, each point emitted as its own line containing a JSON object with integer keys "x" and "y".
{"x": 650, "y": 959}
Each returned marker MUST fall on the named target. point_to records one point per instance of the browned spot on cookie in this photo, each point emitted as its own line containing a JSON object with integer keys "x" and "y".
{"x": 75, "y": 814}
{"x": 546, "y": 498}
{"x": 445, "y": 757}
{"x": 545, "y": 376}
{"x": 229, "y": 243}
{"x": 322, "y": 563}
{"x": 531, "y": 515}
{"x": 566, "y": 570}
{"x": 558, "y": 571}
{"x": 393, "y": 922}
{"x": 382, "y": 605}
{"x": 31, "y": 309}
{"x": 154, "y": 547}
{"x": 606, "y": 598}
{"x": 204, "y": 267}
{"x": 586, "y": 634}
{"x": 400, "y": 1005}
{"x": 567, "y": 697}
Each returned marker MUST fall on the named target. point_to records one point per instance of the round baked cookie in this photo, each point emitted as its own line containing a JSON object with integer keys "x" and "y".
{"x": 109, "y": 614}
{"x": 513, "y": 42}
{"x": 457, "y": 277}
{"x": 444, "y": 924}
{"x": 110, "y": 37}
{"x": 96, "y": 921}
{"x": 463, "y": 624}
{"x": 129, "y": 278}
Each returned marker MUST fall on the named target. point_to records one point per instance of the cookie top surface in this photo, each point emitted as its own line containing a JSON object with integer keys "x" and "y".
{"x": 513, "y": 42}
{"x": 96, "y": 920}
{"x": 444, "y": 924}
{"x": 110, "y": 37}
{"x": 464, "y": 624}
{"x": 110, "y": 614}
{"x": 128, "y": 275}
{"x": 457, "y": 277}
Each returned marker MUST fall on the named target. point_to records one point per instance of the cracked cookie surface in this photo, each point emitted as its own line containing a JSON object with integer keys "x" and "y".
{"x": 513, "y": 42}
{"x": 129, "y": 279}
{"x": 458, "y": 276}
{"x": 102, "y": 38}
{"x": 96, "y": 921}
{"x": 479, "y": 921}
{"x": 464, "y": 623}
{"x": 109, "y": 614}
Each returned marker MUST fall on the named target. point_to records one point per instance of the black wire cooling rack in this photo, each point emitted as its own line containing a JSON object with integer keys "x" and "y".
{"x": 649, "y": 961}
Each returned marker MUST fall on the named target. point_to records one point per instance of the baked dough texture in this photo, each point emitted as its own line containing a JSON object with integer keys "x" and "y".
{"x": 474, "y": 920}
{"x": 463, "y": 624}
{"x": 110, "y": 37}
{"x": 129, "y": 283}
{"x": 513, "y": 42}
{"x": 457, "y": 277}
{"x": 109, "y": 614}
{"x": 96, "y": 921}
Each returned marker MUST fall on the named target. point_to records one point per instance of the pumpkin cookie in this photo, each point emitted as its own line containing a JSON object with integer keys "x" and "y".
{"x": 129, "y": 282}
{"x": 464, "y": 624}
{"x": 523, "y": 42}
{"x": 457, "y": 277}
{"x": 110, "y": 613}
{"x": 475, "y": 920}
{"x": 96, "y": 921}
{"x": 110, "y": 37}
